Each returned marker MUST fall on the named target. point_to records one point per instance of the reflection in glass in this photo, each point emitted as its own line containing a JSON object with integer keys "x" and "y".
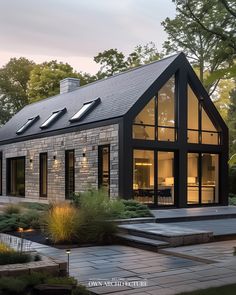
{"x": 166, "y": 104}
{"x": 210, "y": 178}
{"x": 69, "y": 173}
{"x": 165, "y": 172}
{"x": 166, "y": 134}
{"x": 43, "y": 169}
{"x": 104, "y": 168}
{"x": 192, "y": 180}
{"x": 143, "y": 176}
{"x": 16, "y": 177}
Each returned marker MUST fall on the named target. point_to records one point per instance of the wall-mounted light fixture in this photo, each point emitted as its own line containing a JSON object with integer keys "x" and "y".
{"x": 31, "y": 160}
{"x": 84, "y": 155}
{"x": 54, "y": 157}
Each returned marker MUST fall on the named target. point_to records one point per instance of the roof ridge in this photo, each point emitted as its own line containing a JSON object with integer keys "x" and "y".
{"x": 107, "y": 78}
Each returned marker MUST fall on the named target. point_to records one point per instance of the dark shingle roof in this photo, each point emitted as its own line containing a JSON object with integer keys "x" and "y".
{"x": 117, "y": 93}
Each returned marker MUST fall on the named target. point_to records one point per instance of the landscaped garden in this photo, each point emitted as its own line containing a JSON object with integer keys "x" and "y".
{"x": 90, "y": 218}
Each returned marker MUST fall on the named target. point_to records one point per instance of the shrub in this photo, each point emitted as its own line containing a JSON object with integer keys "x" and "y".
{"x": 94, "y": 219}
{"x": 35, "y": 206}
{"x": 9, "y": 285}
{"x": 12, "y": 257}
{"x": 12, "y": 209}
{"x": 60, "y": 222}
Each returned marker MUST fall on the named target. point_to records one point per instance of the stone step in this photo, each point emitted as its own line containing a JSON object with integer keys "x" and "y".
{"x": 174, "y": 235}
{"x": 141, "y": 242}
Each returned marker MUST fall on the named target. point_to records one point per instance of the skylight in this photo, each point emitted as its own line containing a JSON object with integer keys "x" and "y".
{"x": 27, "y": 124}
{"x": 84, "y": 110}
{"x": 54, "y": 116}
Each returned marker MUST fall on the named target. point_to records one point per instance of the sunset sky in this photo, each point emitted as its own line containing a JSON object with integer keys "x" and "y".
{"x": 74, "y": 31}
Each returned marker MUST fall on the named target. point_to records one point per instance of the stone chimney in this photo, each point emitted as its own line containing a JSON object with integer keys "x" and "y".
{"x": 69, "y": 84}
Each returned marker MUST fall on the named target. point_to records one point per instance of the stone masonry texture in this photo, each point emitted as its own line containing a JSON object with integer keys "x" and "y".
{"x": 86, "y": 169}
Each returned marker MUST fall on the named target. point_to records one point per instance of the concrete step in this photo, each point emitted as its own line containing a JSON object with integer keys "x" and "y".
{"x": 141, "y": 242}
{"x": 173, "y": 235}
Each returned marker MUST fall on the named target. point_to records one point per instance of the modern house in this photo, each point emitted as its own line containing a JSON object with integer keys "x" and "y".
{"x": 151, "y": 133}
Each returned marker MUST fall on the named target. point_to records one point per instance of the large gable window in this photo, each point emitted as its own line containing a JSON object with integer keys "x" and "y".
{"x": 157, "y": 119}
{"x": 88, "y": 106}
{"x": 200, "y": 127}
{"x": 27, "y": 124}
{"x": 54, "y": 116}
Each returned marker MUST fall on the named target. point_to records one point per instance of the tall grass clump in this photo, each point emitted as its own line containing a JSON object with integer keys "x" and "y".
{"x": 12, "y": 209}
{"x": 96, "y": 212}
{"x": 60, "y": 222}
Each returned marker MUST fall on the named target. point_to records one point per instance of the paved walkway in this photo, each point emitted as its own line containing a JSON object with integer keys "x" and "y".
{"x": 218, "y": 211}
{"x": 162, "y": 274}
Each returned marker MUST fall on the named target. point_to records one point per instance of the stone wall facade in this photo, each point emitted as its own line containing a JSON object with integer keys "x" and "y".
{"x": 86, "y": 168}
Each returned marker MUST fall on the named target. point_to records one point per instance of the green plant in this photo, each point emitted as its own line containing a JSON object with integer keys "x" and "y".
{"x": 80, "y": 290}
{"x": 9, "y": 285}
{"x": 94, "y": 223}
{"x": 61, "y": 281}
{"x": 12, "y": 257}
{"x": 35, "y": 206}
{"x": 12, "y": 209}
{"x": 60, "y": 222}
{"x": 133, "y": 209}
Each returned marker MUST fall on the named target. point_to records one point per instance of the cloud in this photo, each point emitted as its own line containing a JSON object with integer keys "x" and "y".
{"x": 80, "y": 28}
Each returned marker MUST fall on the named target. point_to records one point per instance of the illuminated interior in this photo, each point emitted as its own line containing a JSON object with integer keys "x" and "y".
{"x": 203, "y": 178}
{"x": 157, "y": 119}
{"x": 200, "y": 127}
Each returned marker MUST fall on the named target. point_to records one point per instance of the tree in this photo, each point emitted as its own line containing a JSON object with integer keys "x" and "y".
{"x": 14, "y": 77}
{"x": 143, "y": 54}
{"x": 232, "y": 121}
{"x": 113, "y": 61}
{"x": 202, "y": 47}
{"x": 45, "y": 79}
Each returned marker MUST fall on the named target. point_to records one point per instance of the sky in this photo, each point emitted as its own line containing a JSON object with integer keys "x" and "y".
{"x": 74, "y": 31}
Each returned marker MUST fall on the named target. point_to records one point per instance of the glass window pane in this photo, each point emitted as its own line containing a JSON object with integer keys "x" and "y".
{"x": 143, "y": 132}
{"x": 165, "y": 172}
{"x": 147, "y": 115}
{"x": 210, "y": 178}
{"x": 166, "y": 134}
{"x": 16, "y": 177}
{"x": 206, "y": 122}
{"x": 80, "y": 113}
{"x": 69, "y": 173}
{"x": 166, "y": 104}
{"x": 210, "y": 137}
{"x": 143, "y": 176}
{"x": 193, "y": 110}
{"x": 104, "y": 168}
{"x": 43, "y": 174}
{"x": 192, "y": 180}
{"x": 193, "y": 136}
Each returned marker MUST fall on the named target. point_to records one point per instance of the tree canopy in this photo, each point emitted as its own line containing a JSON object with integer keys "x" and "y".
{"x": 14, "y": 77}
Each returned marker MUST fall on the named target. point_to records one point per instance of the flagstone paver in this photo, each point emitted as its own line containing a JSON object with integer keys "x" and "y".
{"x": 160, "y": 274}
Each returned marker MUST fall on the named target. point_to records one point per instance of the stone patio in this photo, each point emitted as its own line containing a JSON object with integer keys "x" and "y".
{"x": 163, "y": 274}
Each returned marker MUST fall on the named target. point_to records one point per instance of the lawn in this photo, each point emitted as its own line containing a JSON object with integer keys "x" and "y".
{"x": 224, "y": 290}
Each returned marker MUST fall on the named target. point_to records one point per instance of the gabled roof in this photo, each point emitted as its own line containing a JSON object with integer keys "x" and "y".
{"x": 117, "y": 93}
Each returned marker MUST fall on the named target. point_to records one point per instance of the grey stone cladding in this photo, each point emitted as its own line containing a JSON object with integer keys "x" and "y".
{"x": 86, "y": 168}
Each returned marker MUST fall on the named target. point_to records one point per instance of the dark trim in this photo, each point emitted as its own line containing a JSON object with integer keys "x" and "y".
{"x": 41, "y": 171}
{"x": 33, "y": 120}
{"x": 69, "y": 129}
{"x": 59, "y": 114}
{"x": 8, "y": 176}
{"x": 100, "y": 166}
{"x": 92, "y": 103}
{"x": 67, "y": 172}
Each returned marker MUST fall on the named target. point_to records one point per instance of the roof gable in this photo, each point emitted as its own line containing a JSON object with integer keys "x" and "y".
{"x": 117, "y": 93}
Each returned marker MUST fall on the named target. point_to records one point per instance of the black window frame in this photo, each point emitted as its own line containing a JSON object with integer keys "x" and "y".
{"x": 59, "y": 114}
{"x": 0, "y": 173}
{"x": 67, "y": 189}
{"x": 41, "y": 155}
{"x": 100, "y": 166}
{"x": 27, "y": 125}
{"x": 199, "y": 154}
{"x": 9, "y": 179}
{"x": 156, "y": 126}
{"x": 93, "y": 104}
